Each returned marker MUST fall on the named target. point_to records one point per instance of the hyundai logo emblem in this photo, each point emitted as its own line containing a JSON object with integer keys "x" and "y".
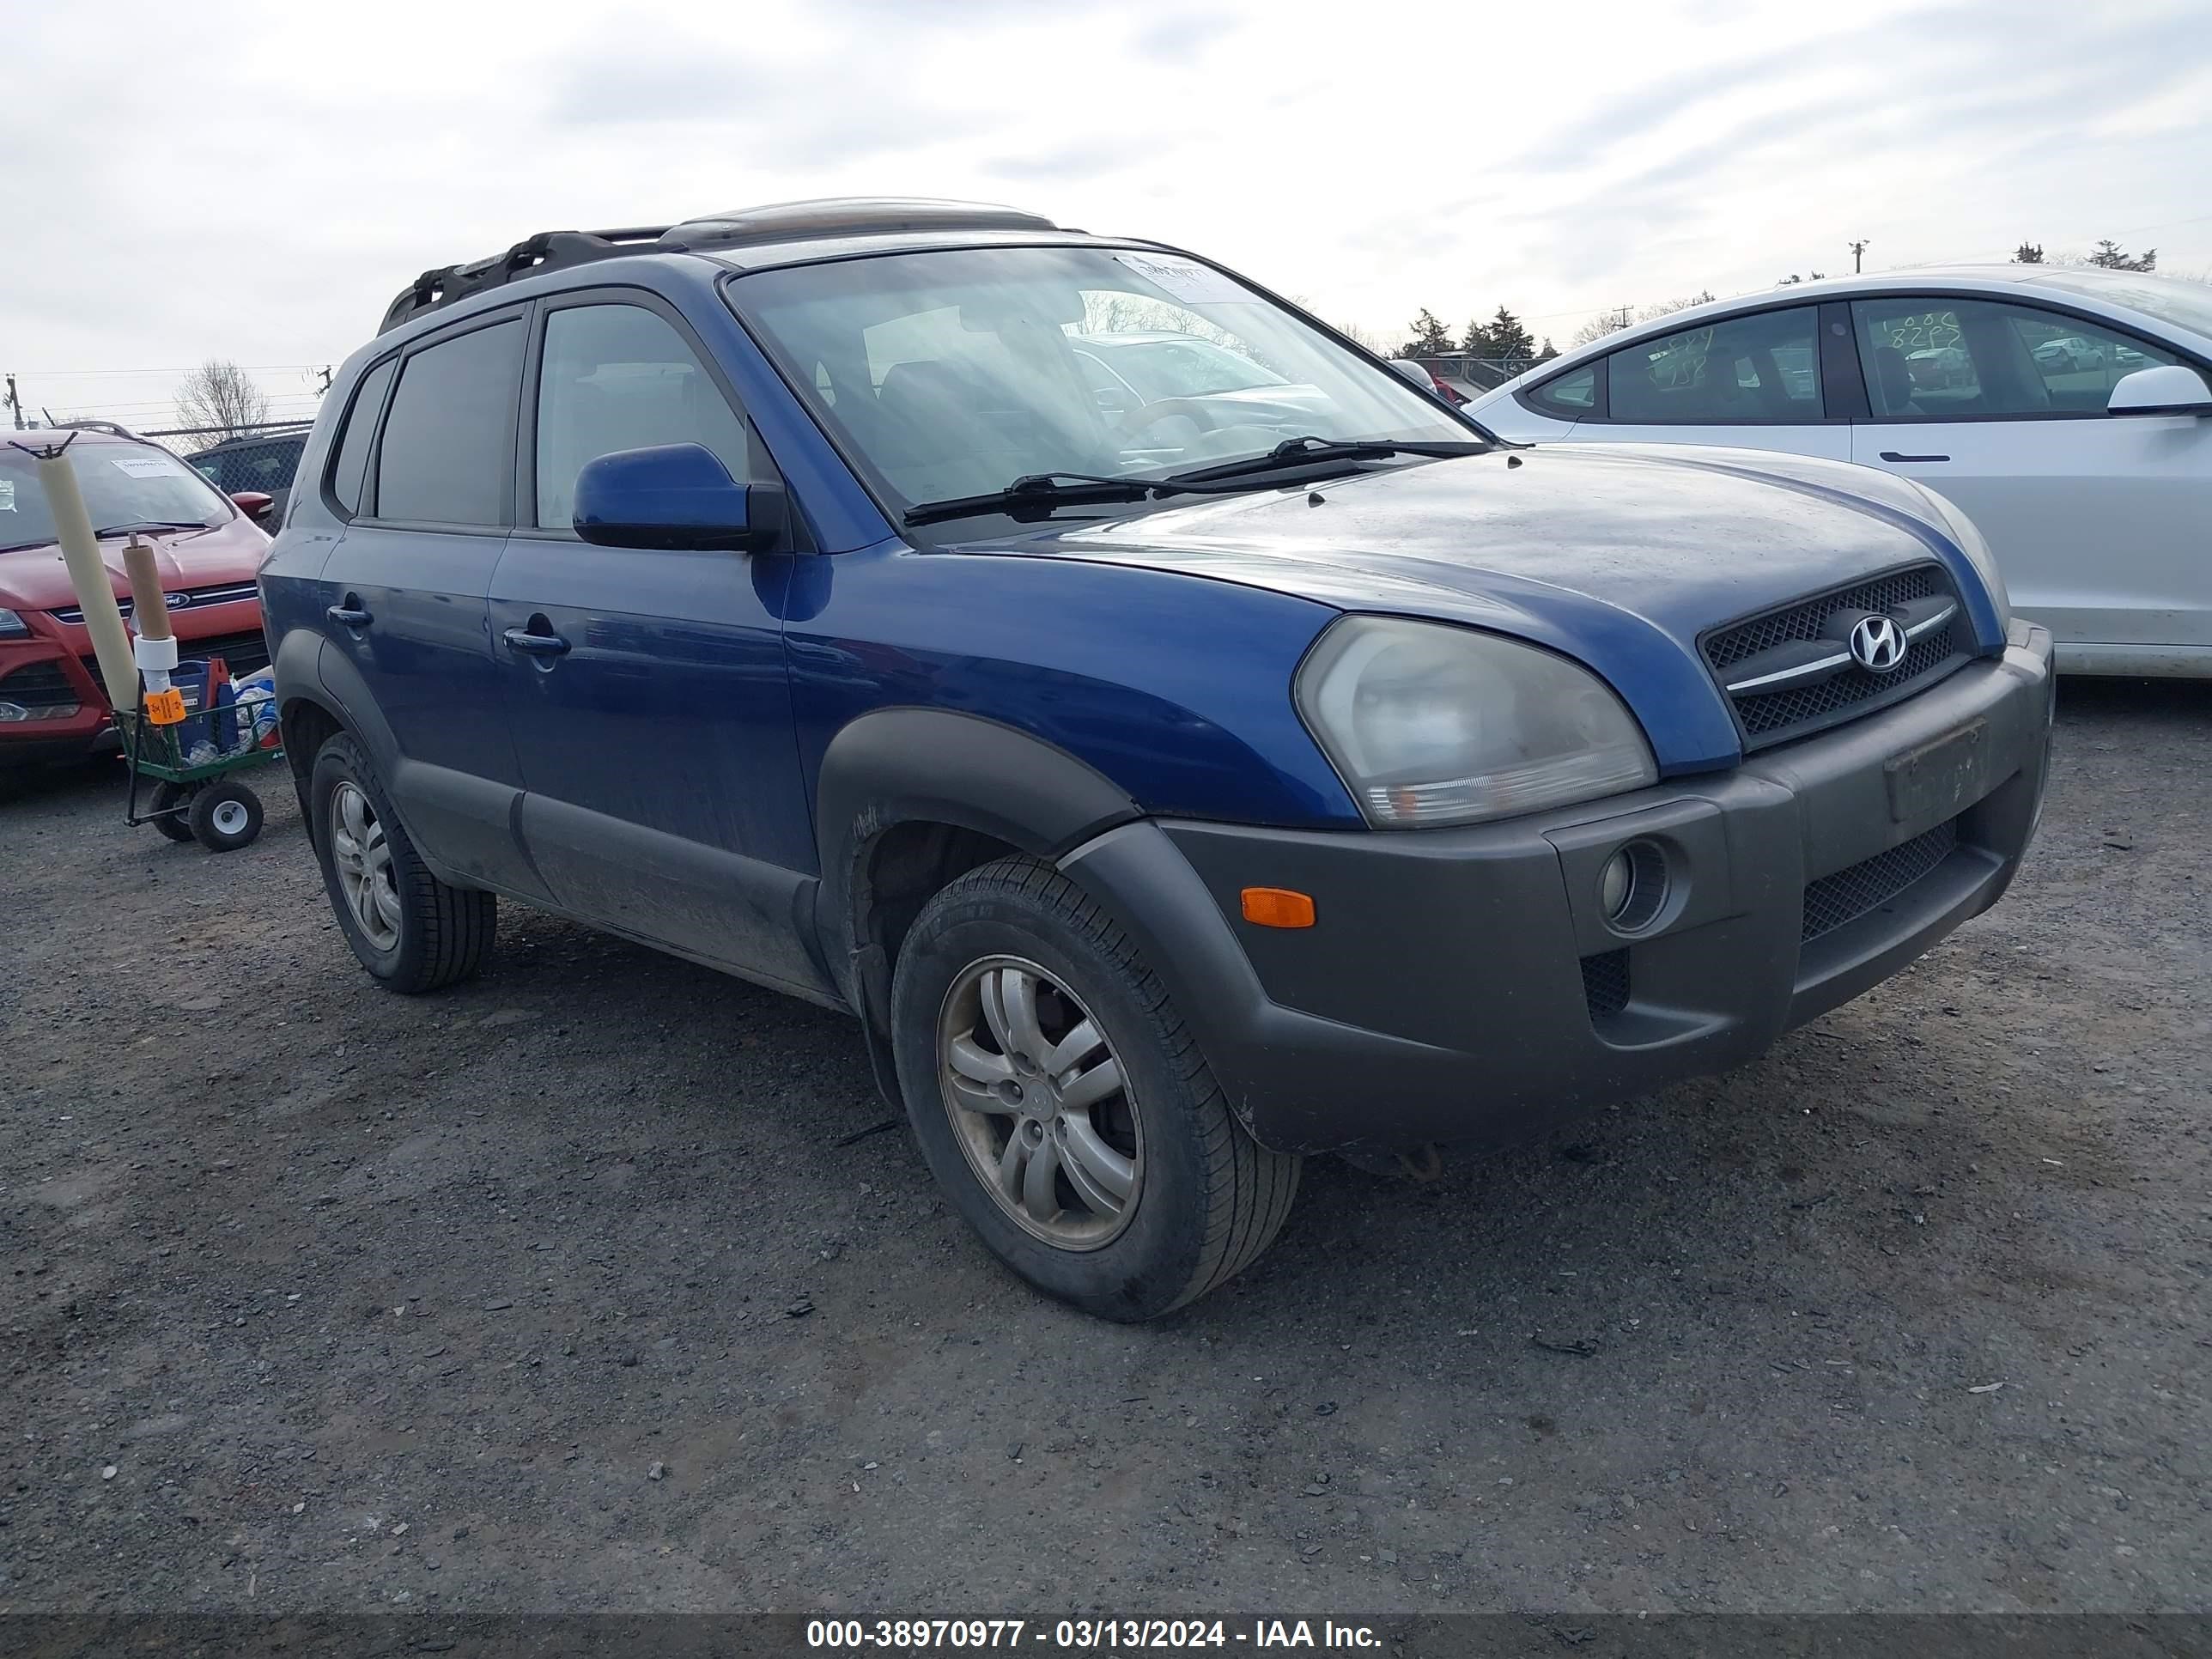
{"x": 1877, "y": 644}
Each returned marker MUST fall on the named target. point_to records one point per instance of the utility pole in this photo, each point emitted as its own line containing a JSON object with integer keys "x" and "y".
{"x": 15, "y": 402}
{"x": 1858, "y": 250}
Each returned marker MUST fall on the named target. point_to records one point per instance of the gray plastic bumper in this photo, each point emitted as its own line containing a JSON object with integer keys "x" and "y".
{"x": 1465, "y": 984}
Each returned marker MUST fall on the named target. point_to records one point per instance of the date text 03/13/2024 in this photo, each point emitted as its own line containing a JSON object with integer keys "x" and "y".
{"x": 1104, "y": 1635}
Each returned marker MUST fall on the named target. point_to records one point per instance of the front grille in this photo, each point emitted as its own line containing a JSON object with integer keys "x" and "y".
{"x": 195, "y": 598}
{"x": 1605, "y": 983}
{"x": 1772, "y": 717}
{"x": 1866, "y": 886}
{"x": 242, "y": 653}
{"x": 41, "y": 686}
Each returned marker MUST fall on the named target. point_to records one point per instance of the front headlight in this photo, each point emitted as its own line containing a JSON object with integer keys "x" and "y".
{"x": 13, "y": 626}
{"x": 1973, "y": 543}
{"x": 1432, "y": 725}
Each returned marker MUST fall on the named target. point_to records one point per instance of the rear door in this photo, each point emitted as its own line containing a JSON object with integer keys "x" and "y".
{"x": 2102, "y": 524}
{"x": 407, "y": 584}
{"x": 1750, "y": 381}
{"x": 647, "y": 687}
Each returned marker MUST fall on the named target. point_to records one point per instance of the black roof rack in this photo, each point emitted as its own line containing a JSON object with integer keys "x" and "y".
{"x": 549, "y": 250}
{"x": 780, "y": 221}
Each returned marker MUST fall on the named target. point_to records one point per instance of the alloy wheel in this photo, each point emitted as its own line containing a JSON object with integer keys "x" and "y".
{"x": 1040, "y": 1103}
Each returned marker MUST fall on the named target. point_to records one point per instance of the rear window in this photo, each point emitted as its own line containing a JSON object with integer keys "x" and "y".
{"x": 262, "y": 464}
{"x": 448, "y": 443}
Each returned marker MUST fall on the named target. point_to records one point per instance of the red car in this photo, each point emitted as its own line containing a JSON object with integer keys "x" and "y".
{"x": 52, "y": 706}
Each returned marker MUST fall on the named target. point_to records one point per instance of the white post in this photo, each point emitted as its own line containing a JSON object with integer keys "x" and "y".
{"x": 95, "y": 589}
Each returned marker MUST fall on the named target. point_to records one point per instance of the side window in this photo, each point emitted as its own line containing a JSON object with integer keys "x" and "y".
{"x": 446, "y": 442}
{"x": 2078, "y": 362}
{"x": 1765, "y": 366}
{"x": 1980, "y": 359}
{"x": 619, "y": 377}
{"x": 350, "y": 470}
{"x": 1569, "y": 397}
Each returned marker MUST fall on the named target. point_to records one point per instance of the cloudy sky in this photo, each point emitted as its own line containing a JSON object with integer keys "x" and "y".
{"x": 255, "y": 182}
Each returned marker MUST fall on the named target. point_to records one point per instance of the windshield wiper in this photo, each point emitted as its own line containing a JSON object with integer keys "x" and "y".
{"x": 151, "y": 524}
{"x": 1043, "y": 491}
{"x": 1305, "y": 452}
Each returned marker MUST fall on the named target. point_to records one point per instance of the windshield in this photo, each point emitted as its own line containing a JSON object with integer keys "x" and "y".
{"x": 951, "y": 372}
{"x": 1152, "y": 369}
{"x": 2185, "y": 305}
{"x": 122, "y": 484}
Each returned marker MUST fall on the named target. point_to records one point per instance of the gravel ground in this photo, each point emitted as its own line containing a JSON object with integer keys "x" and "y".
{"x": 591, "y": 1285}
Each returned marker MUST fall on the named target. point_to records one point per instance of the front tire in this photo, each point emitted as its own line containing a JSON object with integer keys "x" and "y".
{"x": 224, "y": 816}
{"x": 408, "y": 928}
{"x": 1063, "y": 1105}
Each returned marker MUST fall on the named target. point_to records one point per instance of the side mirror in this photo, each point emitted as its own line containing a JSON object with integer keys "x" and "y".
{"x": 2170, "y": 389}
{"x": 673, "y": 495}
{"x": 1413, "y": 372}
{"x": 254, "y": 503}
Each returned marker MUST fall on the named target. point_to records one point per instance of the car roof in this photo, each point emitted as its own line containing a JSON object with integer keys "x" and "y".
{"x": 275, "y": 435}
{"x": 2086, "y": 287}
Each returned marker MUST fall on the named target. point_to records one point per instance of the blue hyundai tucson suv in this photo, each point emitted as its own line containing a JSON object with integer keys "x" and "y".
{"x": 1172, "y": 778}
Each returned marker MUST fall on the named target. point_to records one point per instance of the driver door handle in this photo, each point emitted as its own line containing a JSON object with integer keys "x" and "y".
{"x": 535, "y": 645}
{"x": 1891, "y": 455}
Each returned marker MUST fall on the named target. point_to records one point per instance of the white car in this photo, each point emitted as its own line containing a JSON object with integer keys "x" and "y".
{"x": 2066, "y": 411}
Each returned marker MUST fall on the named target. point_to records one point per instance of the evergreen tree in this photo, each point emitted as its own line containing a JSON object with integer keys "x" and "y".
{"x": 2108, "y": 256}
{"x": 1430, "y": 337}
{"x": 1505, "y": 339}
{"x": 2029, "y": 253}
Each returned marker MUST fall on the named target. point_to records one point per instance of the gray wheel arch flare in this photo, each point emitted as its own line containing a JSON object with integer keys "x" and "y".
{"x": 895, "y": 766}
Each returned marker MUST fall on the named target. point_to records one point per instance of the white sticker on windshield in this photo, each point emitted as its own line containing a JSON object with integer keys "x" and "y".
{"x": 147, "y": 466}
{"x": 1185, "y": 279}
{"x": 7, "y": 495}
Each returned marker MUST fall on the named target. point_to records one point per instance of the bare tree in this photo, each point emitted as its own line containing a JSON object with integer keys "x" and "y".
{"x": 1609, "y": 321}
{"x": 1668, "y": 307}
{"x": 1364, "y": 337}
{"x": 220, "y": 395}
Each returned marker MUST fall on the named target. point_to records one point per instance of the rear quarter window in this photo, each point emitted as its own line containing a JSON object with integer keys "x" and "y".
{"x": 349, "y": 467}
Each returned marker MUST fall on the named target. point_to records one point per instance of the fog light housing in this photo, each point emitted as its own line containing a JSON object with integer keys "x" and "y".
{"x": 1631, "y": 886}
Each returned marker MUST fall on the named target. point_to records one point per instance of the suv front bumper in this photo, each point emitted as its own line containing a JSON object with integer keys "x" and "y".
{"x": 1465, "y": 984}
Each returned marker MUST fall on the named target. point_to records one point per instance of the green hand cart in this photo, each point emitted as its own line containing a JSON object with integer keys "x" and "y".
{"x": 197, "y": 794}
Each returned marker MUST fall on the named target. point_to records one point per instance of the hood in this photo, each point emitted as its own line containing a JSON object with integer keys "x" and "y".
{"x": 36, "y": 579}
{"x": 1619, "y": 556}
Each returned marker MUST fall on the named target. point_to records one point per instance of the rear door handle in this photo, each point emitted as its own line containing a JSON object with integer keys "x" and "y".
{"x": 349, "y": 615}
{"x": 1891, "y": 455}
{"x": 535, "y": 645}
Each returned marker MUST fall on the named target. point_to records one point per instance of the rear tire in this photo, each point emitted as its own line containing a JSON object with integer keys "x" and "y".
{"x": 1014, "y": 995}
{"x": 411, "y": 931}
{"x": 167, "y": 813}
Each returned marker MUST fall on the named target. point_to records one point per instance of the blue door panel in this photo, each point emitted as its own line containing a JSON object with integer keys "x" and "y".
{"x": 425, "y": 657}
{"x": 663, "y": 796}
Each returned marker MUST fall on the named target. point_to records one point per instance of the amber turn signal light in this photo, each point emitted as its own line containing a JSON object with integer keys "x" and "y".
{"x": 1277, "y": 907}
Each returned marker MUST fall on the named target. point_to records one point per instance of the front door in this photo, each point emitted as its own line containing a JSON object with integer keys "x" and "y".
{"x": 646, "y": 687}
{"x": 2101, "y": 523}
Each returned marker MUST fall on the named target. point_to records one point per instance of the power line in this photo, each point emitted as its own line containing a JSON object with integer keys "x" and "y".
{"x": 71, "y": 374}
